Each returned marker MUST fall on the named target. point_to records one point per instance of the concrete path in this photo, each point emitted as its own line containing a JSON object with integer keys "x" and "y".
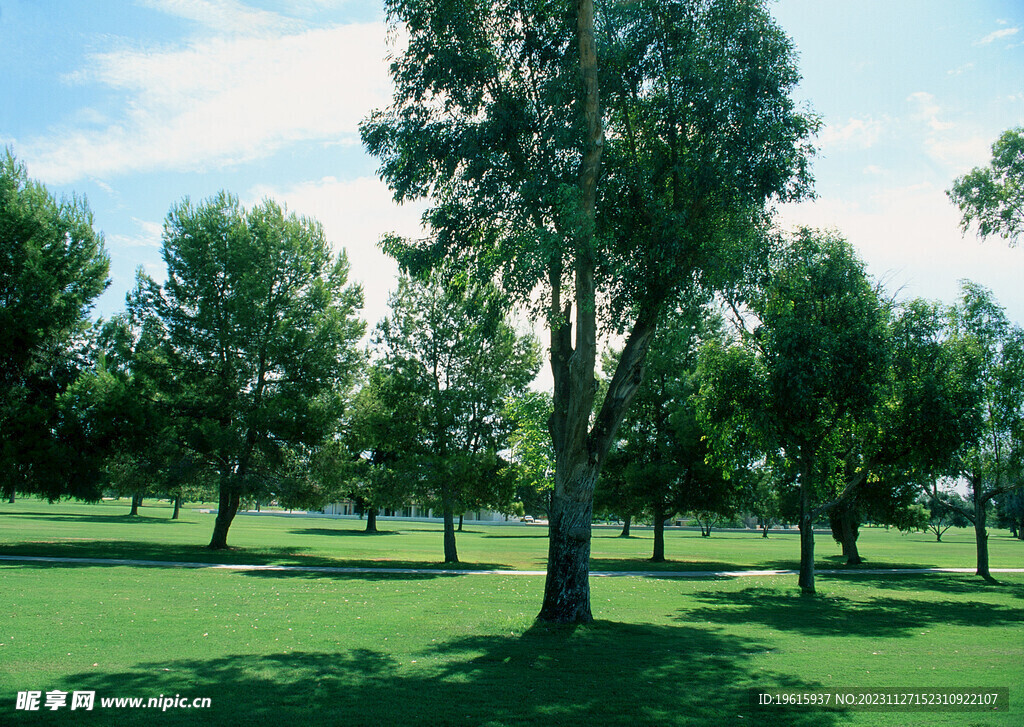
{"x": 328, "y": 570}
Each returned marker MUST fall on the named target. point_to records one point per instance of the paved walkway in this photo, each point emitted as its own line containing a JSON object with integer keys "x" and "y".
{"x": 465, "y": 572}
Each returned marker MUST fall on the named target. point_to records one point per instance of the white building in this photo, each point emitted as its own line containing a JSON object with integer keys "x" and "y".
{"x": 347, "y": 508}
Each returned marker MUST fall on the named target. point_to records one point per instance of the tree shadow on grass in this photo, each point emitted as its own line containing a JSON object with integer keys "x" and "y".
{"x": 839, "y": 563}
{"x": 636, "y": 564}
{"x": 158, "y": 551}
{"x": 957, "y": 583}
{"x": 166, "y": 553}
{"x": 339, "y": 532}
{"x": 829, "y": 615}
{"x": 605, "y": 674}
{"x": 141, "y": 519}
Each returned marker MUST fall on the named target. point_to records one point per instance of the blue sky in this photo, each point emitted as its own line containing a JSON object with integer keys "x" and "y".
{"x": 138, "y": 103}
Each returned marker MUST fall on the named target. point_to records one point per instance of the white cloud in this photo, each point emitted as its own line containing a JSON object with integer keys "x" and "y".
{"x": 998, "y": 34}
{"x": 149, "y": 234}
{"x": 221, "y": 101}
{"x": 958, "y": 153}
{"x": 928, "y": 110}
{"x": 355, "y": 214}
{"x": 949, "y": 144}
{"x": 910, "y": 238}
{"x": 224, "y": 16}
{"x": 855, "y": 133}
{"x": 960, "y": 70}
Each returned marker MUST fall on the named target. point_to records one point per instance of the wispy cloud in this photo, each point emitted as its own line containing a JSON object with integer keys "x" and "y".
{"x": 220, "y": 100}
{"x": 910, "y": 238}
{"x": 997, "y": 35}
{"x": 354, "y": 214}
{"x": 951, "y": 145}
{"x": 148, "y": 234}
{"x": 854, "y": 133}
{"x": 928, "y": 110}
{"x": 224, "y": 16}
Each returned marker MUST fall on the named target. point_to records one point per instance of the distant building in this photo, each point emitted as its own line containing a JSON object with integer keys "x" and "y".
{"x": 347, "y": 508}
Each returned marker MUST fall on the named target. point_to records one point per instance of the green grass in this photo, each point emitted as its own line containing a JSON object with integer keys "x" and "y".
{"x": 105, "y": 530}
{"x": 304, "y": 648}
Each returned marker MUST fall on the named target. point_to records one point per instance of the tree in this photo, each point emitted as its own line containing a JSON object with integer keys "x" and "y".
{"x": 453, "y": 361}
{"x": 661, "y": 452}
{"x": 945, "y": 512}
{"x": 1010, "y": 512}
{"x": 825, "y": 386}
{"x": 498, "y": 118}
{"x": 531, "y": 458}
{"x": 993, "y": 197}
{"x": 258, "y": 331}
{"x": 382, "y": 432}
{"x": 53, "y": 266}
{"x": 992, "y": 458}
{"x": 807, "y": 375}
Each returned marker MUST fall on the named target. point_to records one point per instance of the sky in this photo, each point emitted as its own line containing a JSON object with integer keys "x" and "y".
{"x": 137, "y": 104}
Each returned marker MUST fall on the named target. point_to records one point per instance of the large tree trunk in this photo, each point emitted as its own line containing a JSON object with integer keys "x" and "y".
{"x": 659, "y": 535}
{"x": 371, "y": 519}
{"x": 451, "y": 555}
{"x": 580, "y": 451}
{"x": 567, "y": 586}
{"x": 177, "y": 507}
{"x": 136, "y": 504}
{"x": 806, "y": 580}
{"x": 845, "y": 530}
{"x": 625, "y": 526}
{"x": 11, "y": 498}
{"x": 980, "y": 532}
{"x": 227, "y": 508}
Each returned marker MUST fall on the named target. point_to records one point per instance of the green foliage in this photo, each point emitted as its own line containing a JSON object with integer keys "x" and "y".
{"x": 993, "y": 197}
{"x": 812, "y": 370}
{"x": 53, "y": 266}
{"x": 660, "y": 464}
{"x": 531, "y": 456}
{"x": 700, "y": 132}
{"x": 837, "y": 391}
{"x": 991, "y": 459}
{"x": 448, "y": 360}
{"x": 497, "y": 119}
{"x": 256, "y": 333}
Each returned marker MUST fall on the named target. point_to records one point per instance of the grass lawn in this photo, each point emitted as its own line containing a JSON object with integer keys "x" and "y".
{"x": 463, "y": 650}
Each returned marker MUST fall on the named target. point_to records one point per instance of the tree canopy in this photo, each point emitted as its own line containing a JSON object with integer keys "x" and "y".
{"x": 497, "y": 117}
{"x": 452, "y": 360}
{"x": 53, "y": 266}
{"x": 828, "y": 386}
{"x": 992, "y": 197}
{"x": 258, "y": 336}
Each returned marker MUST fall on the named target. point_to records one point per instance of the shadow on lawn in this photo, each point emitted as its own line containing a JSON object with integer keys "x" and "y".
{"x": 638, "y": 564}
{"x": 825, "y": 615}
{"x": 959, "y": 583}
{"x": 339, "y": 532}
{"x": 605, "y": 674}
{"x": 106, "y": 519}
{"x": 134, "y": 550}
